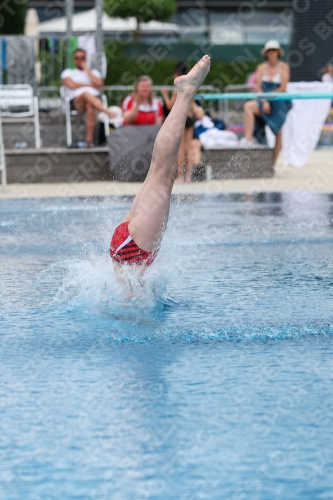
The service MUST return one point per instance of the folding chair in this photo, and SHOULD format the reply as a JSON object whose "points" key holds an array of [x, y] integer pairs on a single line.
{"points": [[18, 103]]}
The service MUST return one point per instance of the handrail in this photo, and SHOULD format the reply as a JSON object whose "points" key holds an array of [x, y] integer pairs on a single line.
{"points": [[268, 96], [124, 88], [155, 87], [238, 86]]}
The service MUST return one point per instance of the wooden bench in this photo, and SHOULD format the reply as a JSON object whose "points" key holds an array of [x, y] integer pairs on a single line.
{"points": [[238, 163], [18, 104]]}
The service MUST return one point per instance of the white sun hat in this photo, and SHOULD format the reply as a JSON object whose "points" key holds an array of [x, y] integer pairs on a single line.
{"points": [[272, 44]]}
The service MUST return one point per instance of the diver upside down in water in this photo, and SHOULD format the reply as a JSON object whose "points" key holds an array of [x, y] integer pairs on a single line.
{"points": [[138, 238]]}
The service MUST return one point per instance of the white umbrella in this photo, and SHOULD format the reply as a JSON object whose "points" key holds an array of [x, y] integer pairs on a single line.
{"points": [[31, 28], [86, 22]]}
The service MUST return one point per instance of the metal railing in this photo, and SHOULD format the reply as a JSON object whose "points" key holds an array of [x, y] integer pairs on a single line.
{"points": [[234, 107], [240, 97], [269, 96], [49, 96], [116, 93]]}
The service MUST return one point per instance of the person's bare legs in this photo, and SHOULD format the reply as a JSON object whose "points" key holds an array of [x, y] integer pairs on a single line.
{"points": [[195, 155], [188, 136], [90, 104], [278, 146], [132, 211], [81, 101], [152, 210], [90, 123], [183, 157], [251, 110]]}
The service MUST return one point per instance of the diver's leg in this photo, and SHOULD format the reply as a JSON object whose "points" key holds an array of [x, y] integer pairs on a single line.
{"points": [[181, 159], [132, 211], [151, 214]]}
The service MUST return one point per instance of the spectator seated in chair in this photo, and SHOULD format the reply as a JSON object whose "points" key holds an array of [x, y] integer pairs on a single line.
{"points": [[273, 76], [83, 87], [141, 107]]}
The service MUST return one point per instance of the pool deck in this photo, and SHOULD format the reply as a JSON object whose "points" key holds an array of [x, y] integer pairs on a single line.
{"points": [[315, 176]]}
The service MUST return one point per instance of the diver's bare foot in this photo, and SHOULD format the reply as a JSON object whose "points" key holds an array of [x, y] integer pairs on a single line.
{"points": [[191, 82]]}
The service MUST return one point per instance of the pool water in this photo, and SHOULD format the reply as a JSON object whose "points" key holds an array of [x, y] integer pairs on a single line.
{"points": [[213, 379]]}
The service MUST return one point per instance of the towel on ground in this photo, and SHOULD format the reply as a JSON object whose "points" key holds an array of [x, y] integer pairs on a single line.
{"points": [[302, 128], [212, 137]]}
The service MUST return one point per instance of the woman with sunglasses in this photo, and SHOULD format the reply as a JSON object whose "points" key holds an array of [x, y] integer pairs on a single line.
{"points": [[84, 88]]}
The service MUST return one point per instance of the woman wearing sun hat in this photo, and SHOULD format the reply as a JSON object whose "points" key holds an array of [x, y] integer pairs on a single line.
{"points": [[273, 76]]}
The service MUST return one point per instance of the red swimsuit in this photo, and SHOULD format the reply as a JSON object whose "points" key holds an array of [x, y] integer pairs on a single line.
{"points": [[123, 248]]}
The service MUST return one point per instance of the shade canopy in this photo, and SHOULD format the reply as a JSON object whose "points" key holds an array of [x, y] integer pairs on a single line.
{"points": [[86, 22]]}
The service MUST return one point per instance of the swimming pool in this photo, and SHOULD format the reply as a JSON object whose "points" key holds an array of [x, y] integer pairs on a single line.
{"points": [[214, 381]]}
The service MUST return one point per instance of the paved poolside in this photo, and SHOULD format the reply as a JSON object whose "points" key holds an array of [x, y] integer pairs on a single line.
{"points": [[317, 176]]}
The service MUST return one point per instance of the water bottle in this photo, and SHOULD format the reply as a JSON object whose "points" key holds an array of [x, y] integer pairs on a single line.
{"points": [[79, 144], [20, 145]]}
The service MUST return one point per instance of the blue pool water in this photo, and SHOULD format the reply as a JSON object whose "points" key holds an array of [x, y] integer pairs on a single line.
{"points": [[214, 381]]}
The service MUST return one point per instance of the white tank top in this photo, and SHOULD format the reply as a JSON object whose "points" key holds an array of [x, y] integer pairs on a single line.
{"points": [[276, 79]]}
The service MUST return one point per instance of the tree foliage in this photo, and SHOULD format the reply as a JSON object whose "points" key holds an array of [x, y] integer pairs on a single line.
{"points": [[143, 10], [124, 70], [12, 17]]}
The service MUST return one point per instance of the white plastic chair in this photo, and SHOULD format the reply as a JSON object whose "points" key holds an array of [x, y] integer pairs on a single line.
{"points": [[2, 159], [66, 109], [17, 104]]}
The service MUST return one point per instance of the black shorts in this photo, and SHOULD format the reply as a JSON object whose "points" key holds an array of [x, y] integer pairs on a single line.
{"points": [[189, 122], [72, 105]]}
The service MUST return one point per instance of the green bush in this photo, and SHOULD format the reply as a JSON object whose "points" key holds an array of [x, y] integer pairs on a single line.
{"points": [[12, 17], [142, 10], [123, 70]]}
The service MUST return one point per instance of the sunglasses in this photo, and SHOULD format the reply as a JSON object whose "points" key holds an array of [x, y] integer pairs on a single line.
{"points": [[79, 57]]}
